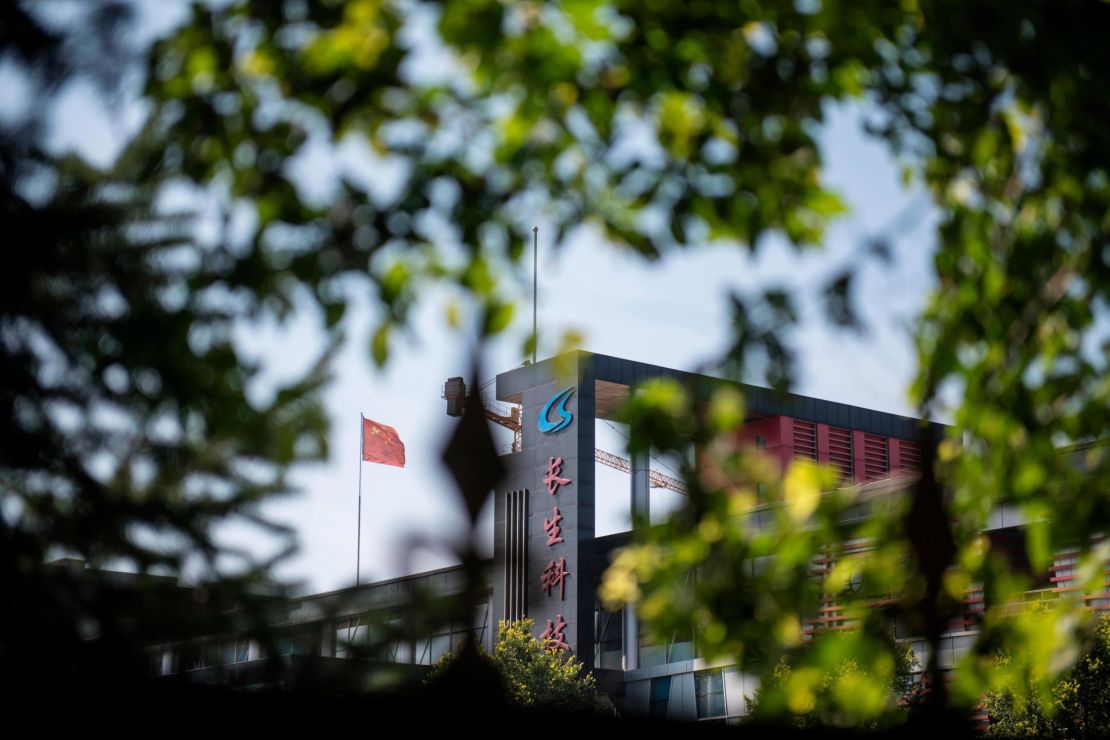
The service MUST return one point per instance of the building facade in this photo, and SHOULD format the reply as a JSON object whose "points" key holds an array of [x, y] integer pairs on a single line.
{"points": [[548, 561]]}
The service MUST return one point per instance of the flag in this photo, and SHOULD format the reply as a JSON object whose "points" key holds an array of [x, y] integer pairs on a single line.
{"points": [[381, 444]]}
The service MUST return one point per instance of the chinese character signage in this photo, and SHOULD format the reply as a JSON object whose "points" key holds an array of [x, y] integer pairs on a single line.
{"points": [[552, 528], [555, 465], [555, 634], [555, 574], [552, 479]]}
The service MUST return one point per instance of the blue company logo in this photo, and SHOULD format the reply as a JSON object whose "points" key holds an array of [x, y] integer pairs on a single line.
{"points": [[565, 416]]}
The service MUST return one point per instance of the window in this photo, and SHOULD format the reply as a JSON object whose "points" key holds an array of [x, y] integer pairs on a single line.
{"points": [[441, 645], [195, 658], [447, 639], [876, 457], [805, 440], [681, 647], [675, 647], [481, 619], [384, 636], [211, 655], [351, 635], [840, 452], [400, 652], [609, 636], [709, 692], [295, 643], [236, 651], [651, 652], [660, 696]]}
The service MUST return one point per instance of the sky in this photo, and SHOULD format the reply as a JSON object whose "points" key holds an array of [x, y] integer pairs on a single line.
{"points": [[672, 313]]}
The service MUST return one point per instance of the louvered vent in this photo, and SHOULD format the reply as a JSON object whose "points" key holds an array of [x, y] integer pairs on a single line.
{"points": [[805, 440], [840, 451], [910, 454], [516, 554], [876, 463]]}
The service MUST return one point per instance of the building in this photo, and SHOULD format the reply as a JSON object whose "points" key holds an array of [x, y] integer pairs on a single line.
{"points": [[552, 479], [547, 561]]}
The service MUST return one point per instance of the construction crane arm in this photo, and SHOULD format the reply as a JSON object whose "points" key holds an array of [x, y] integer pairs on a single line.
{"points": [[656, 479]]}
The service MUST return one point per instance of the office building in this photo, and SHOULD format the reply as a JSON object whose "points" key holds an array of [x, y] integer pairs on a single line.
{"points": [[548, 560]]}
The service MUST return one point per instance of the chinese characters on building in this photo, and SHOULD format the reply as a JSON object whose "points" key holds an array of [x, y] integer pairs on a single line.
{"points": [[556, 633], [555, 575], [553, 480], [551, 526], [555, 572]]}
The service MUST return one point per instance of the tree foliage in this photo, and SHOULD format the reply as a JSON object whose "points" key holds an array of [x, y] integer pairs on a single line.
{"points": [[1077, 704], [131, 434], [997, 109], [840, 696], [534, 675]]}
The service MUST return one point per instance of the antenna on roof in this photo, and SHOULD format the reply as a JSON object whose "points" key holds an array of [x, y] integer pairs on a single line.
{"points": [[535, 274]]}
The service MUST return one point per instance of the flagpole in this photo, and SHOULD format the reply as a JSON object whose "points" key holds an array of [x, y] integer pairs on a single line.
{"points": [[358, 545]]}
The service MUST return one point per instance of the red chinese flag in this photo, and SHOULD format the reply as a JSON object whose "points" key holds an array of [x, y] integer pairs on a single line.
{"points": [[381, 444]]}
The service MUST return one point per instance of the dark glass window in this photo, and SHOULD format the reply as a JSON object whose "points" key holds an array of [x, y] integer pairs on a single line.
{"points": [[441, 645], [609, 631], [235, 651], [660, 696], [211, 655], [401, 651], [681, 646], [424, 651], [296, 643], [709, 691]]}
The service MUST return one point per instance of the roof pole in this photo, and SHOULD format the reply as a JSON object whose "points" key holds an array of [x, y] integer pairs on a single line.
{"points": [[535, 283]]}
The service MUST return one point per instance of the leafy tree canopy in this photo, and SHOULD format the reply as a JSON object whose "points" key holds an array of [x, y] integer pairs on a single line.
{"points": [[534, 675], [841, 695], [130, 433], [997, 109], [1077, 704]]}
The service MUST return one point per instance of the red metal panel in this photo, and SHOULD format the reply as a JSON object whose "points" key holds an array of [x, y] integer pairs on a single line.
{"points": [[768, 428], [859, 457], [786, 441], [823, 443], [775, 443]]}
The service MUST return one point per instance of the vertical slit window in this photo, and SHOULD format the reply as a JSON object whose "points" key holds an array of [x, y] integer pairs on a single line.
{"points": [[660, 696], [805, 440], [840, 451], [876, 462]]}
